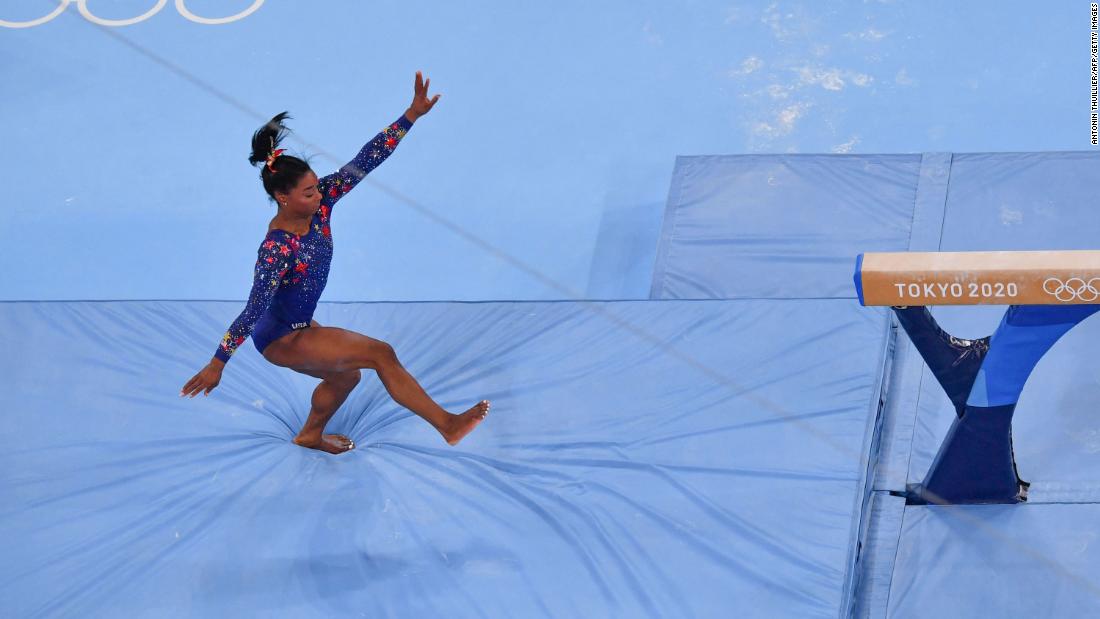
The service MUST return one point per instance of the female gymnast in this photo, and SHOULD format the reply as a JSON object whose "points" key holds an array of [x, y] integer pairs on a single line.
{"points": [[290, 274]]}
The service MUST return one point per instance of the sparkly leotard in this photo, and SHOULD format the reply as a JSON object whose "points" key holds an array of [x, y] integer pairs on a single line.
{"points": [[291, 270]]}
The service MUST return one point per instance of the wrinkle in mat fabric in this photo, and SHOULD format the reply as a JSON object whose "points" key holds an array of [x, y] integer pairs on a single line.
{"points": [[654, 458]]}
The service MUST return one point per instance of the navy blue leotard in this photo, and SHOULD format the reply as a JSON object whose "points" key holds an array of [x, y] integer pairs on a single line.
{"points": [[291, 270]]}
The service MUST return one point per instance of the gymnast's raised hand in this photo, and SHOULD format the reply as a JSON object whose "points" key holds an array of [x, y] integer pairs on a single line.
{"points": [[291, 269]]}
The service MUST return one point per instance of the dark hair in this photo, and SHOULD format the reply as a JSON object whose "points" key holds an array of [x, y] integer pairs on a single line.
{"points": [[288, 170]]}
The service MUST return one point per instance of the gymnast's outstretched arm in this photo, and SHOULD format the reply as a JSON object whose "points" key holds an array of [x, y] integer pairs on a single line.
{"points": [[339, 183]]}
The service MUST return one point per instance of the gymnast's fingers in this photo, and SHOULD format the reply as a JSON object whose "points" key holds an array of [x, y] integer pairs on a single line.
{"points": [[189, 386]]}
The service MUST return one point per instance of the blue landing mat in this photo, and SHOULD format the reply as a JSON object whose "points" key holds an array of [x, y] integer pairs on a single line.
{"points": [[997, 561], [653, 458]]}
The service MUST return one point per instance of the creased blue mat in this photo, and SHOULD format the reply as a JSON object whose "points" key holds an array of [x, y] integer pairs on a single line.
{"points": [[780, 226], [997, 561], [672, 459]]}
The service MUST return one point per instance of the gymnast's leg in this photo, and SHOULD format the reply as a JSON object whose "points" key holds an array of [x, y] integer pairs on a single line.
{"points": [[327, 398], [328, 350]]}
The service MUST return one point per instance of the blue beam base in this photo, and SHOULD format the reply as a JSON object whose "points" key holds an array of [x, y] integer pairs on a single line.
{"points": [[975, 463], [984, 379]]}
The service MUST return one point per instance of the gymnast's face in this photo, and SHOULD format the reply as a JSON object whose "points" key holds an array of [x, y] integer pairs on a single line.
{"points": [[303, 200]]}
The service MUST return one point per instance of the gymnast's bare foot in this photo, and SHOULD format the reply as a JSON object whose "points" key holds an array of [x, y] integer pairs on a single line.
{"points": [[458, 426], [332, 443]]}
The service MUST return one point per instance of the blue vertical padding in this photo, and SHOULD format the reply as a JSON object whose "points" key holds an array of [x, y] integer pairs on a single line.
{"points": [[780, 226], [668, 227], [901, 410], [1022, 201], [930, 207], [880, 547]]}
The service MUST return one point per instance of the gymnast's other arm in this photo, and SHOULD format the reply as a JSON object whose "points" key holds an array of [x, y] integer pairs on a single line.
{"points": [[271, 265]]}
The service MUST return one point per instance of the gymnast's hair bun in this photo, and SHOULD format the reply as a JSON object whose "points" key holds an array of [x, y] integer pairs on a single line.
{"points": [[281, 173]]}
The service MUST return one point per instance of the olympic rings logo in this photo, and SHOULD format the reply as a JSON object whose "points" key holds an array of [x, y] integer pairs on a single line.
{"points": [[1073, 289], [181, 6]]}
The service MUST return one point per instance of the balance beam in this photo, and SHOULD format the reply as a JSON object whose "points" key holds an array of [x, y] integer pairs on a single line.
{"points": [[979, 278]]}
